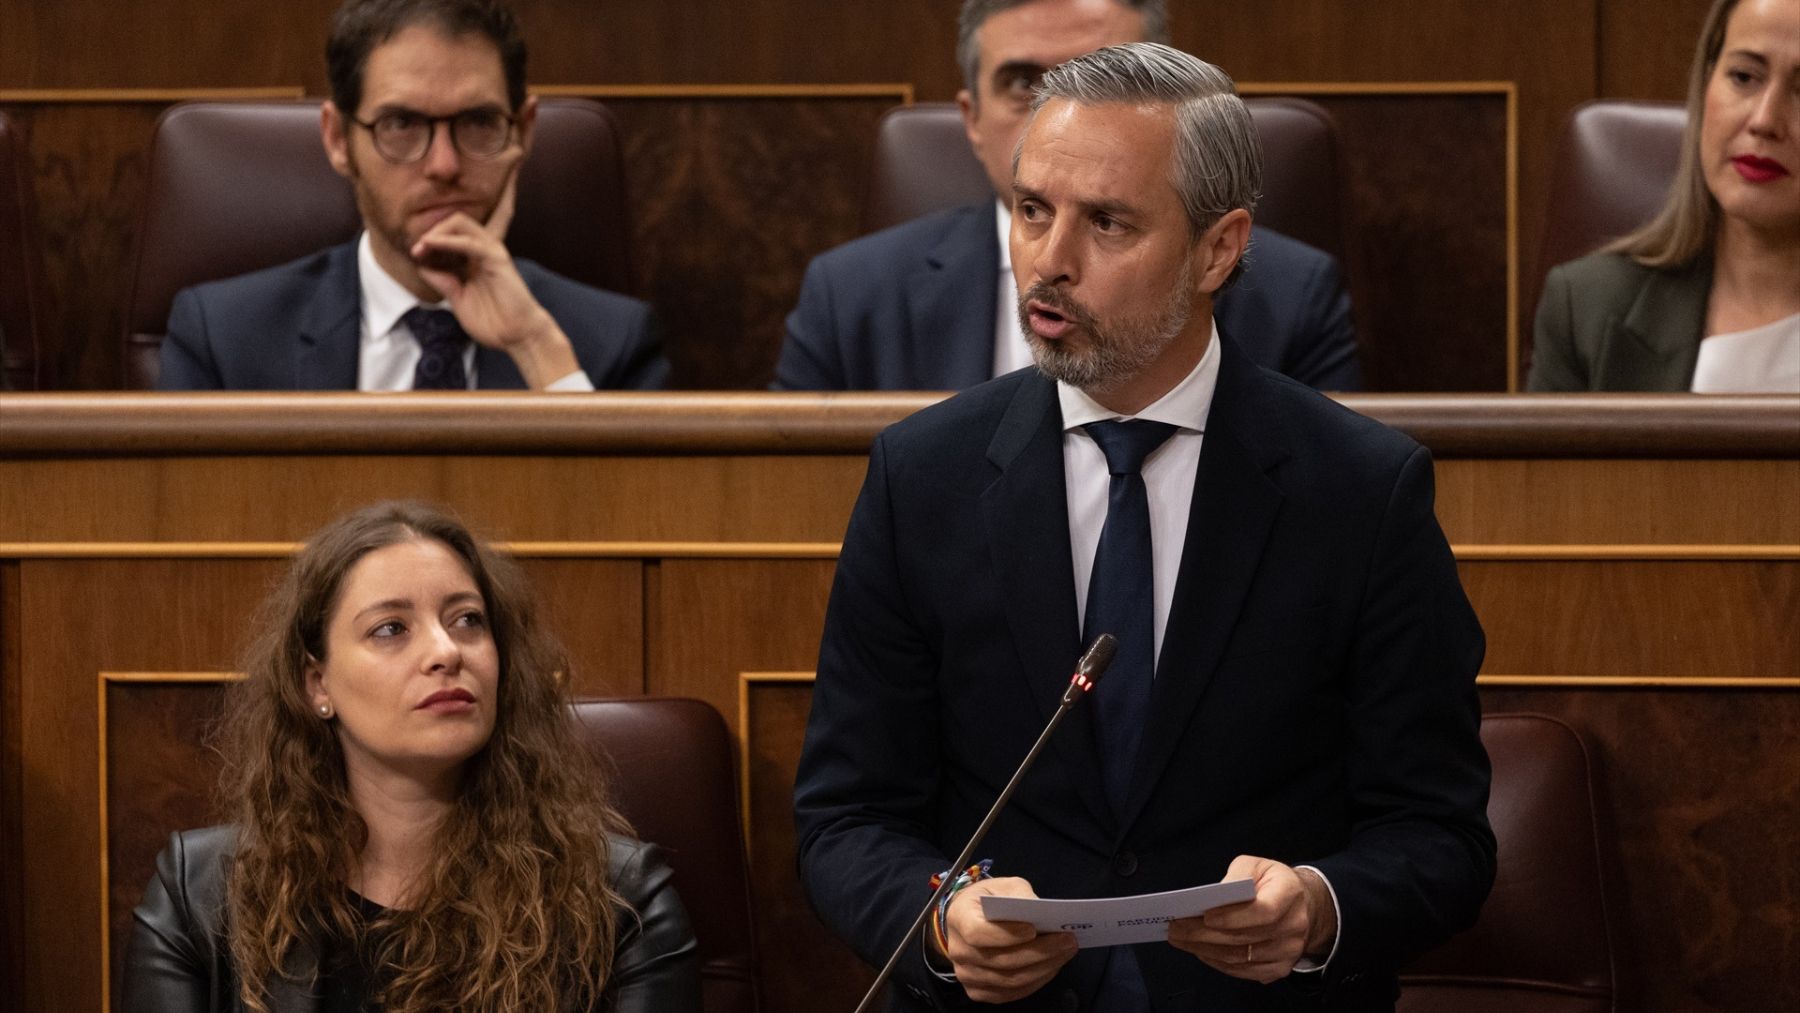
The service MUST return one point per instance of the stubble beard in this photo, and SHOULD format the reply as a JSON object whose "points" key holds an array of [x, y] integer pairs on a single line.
{"points": [[1117, 349]]}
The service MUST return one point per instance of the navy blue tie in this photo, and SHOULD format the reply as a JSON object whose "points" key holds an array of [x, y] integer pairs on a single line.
{"points": [[441, 344], [1120, 601]]}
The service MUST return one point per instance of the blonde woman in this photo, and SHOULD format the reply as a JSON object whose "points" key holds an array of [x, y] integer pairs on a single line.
{"points": [[415, 825], [1707, 296]]}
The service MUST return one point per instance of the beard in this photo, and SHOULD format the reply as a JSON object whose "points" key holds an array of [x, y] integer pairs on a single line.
{"points": [[388, 221], [1117, 349]]}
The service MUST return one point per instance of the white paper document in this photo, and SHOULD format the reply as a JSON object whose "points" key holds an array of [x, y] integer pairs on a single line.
{"points": [[1114, 921]]}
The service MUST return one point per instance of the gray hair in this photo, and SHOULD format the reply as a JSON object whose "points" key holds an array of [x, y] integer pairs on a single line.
{"points": [[1218, 159], [975, 13]]}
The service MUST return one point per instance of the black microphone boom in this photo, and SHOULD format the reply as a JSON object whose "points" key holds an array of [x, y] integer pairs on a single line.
{"points": [[1088, 671]]}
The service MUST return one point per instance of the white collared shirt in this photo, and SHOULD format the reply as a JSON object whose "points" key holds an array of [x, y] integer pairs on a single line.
{"points": [[387, 353], [1010, 349], [1168, 479], [1169, 476]]}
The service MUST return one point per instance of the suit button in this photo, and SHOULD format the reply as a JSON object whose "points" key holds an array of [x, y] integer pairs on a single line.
{"points": [[1068, 1001], [1125, 863]]}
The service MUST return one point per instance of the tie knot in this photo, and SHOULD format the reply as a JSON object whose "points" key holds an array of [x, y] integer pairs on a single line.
{"points": [[1127, 442], [435, 329]]}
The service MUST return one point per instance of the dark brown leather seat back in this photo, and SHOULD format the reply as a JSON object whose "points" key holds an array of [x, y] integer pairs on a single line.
{"points": [[239, 186], [1543, 943], [24, 361], [1612, 175], [672, 777], [923, 163]]}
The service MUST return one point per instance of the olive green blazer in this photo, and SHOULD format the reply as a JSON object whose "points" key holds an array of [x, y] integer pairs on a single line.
{"points": [[1606, 322]]}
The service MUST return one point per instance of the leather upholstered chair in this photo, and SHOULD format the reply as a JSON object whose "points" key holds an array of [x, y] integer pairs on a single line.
{"points": [[671, 761], [923, 163], [239, 186], [1612, 175], [24, 361], [1543, 942]]}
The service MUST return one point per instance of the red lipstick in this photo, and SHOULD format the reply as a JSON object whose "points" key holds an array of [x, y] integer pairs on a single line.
{"points": [[1757, 169]]}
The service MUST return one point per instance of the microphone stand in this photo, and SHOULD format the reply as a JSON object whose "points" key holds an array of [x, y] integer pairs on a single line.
{"points": [[1087, 671]]}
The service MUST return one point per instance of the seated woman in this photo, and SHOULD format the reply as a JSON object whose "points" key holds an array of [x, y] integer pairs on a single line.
{"points": [[415, 824], [1707, 296]]}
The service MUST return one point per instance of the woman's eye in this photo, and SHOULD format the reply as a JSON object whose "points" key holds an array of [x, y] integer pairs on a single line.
{"points": [[473, 620], [391, 628]]}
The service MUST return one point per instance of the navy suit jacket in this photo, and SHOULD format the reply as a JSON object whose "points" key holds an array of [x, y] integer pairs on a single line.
{"points": [[1314, 701], [299, 327], [912, 308]]}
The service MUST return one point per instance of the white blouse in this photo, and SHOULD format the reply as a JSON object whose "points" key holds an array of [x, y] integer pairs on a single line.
{"points": [[1761, 360]]}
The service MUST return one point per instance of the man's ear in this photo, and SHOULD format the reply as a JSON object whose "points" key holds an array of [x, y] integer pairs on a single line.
{"points": [[1219, 249], [527, 122], [334, 132], [965, 101]]}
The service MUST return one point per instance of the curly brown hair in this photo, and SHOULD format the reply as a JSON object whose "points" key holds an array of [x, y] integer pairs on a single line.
{"points": [[515, 910]]}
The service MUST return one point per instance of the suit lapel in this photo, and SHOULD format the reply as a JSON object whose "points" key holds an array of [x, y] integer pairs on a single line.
{"points": [[1656, 343], [951, 300], [331, 332], [1026, 513], [1234, 506]]}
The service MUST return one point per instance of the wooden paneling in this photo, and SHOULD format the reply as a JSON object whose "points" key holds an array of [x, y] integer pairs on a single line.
{"points": [[12, 871], [729, 200], [1626, 537], [831, 977], [88, 617], [1646, 47], [1639, 618], [1618, 502], [720, 618], [1699, 787], [1426, 247]]}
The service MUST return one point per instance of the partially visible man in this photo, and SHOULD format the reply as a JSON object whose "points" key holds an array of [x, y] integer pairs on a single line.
{"points": [[1293, 696], [429, 121], [927, 305]]}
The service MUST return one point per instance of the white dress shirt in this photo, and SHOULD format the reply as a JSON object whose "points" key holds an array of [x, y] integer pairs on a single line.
{"points": [[1169, 475], [1761, 360], [388, 354], [1010, 349]]}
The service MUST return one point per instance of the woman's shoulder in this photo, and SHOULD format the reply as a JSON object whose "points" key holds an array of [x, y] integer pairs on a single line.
{"points": [[1603, 270]]}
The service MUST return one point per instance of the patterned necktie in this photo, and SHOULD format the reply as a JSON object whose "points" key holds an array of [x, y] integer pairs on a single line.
{"points": [[1120, 599], [441, 344]]}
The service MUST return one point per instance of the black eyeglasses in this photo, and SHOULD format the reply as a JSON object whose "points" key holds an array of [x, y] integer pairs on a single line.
{"points": [[403, 136]]}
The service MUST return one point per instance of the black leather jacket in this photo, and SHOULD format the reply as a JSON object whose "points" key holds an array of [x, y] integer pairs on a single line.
{"points": [[180, 961]]}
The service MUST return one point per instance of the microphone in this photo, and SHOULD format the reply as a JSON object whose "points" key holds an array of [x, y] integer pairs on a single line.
{"points": [[1088, 670]]}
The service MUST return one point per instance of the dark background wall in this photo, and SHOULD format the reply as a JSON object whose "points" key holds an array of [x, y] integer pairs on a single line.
{"points": [[732, 194]]}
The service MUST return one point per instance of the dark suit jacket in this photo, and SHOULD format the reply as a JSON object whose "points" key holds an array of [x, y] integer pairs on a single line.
{"points": [[1606, 322], [299, 327], [1314, 701], [180, 957], [912, 308]]}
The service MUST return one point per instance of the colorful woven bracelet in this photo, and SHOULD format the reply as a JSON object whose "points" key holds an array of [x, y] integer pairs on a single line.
{"points": [[940, 921]]}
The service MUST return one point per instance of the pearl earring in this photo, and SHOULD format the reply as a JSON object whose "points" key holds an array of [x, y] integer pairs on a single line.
{"points": [[324, 710]]}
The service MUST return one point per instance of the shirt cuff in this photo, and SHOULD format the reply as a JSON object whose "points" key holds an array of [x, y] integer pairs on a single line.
{"points": [[1306, 965], [576, 381]]}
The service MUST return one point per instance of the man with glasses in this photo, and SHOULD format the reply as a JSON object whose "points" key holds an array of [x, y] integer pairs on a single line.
{"points": [[928, 304], [429, 121]]}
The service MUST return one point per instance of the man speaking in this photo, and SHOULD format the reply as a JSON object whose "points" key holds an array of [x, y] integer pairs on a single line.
{"points": [[1293, 698]]}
